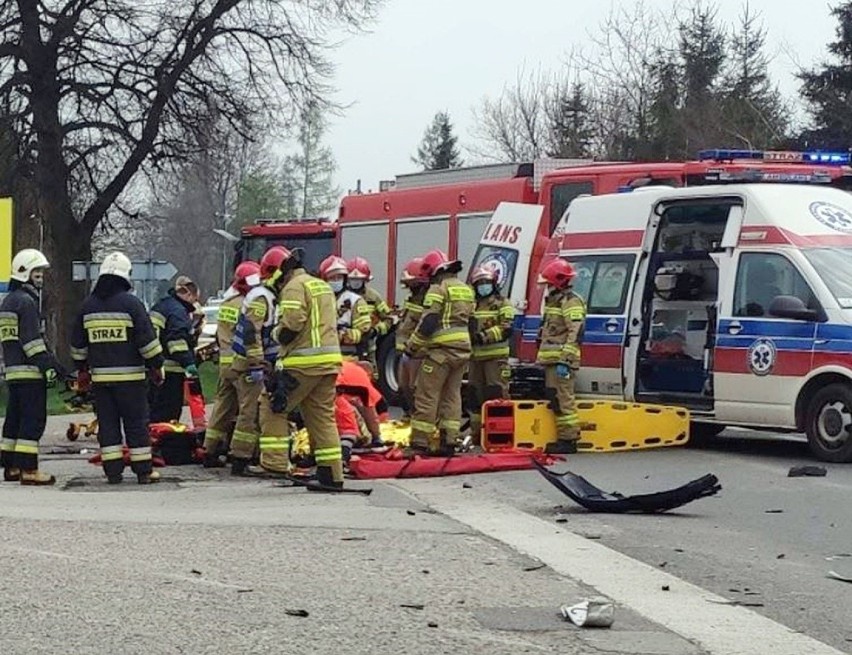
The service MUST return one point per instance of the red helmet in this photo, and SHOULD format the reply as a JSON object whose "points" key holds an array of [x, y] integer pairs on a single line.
{"points": [[246, 276], [332, 265], [558, 273], [483, 274], [359, 269], [412, 273], [436, 261], [272, 261]]}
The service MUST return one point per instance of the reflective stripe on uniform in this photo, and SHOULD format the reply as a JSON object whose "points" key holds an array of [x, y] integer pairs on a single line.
{"points": [[118, 374], [142, 454], [111, 453], [270, 444], [151, 349], [239, 436], [177, 346], [158, 320], [107, 319], [79, 354], [570, 420], [304, 357], [171, 366], [423, 426], [8, 445], [450, 424], [26, 446], [491, 350], [23, 372], [34, 347], [328, 455], [225, 360]]}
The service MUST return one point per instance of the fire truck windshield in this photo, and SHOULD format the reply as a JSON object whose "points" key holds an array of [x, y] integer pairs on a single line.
{"points": [[315, 248]]}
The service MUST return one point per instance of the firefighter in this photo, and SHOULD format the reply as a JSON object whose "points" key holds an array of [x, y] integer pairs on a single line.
{"points": [[30, 368], [238, 389], [115, 348], [173, 319], [309, 360], [381, 316], [488, 377], [442, 337], [254, 356], [559, 351], [354, 315], [417, 285]]}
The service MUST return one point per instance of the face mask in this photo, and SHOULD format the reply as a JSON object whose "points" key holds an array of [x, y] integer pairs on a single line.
{"points": [[336, 285], [356, 285], [484, 290]]}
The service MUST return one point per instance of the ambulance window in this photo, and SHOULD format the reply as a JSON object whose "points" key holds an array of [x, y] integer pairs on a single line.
{"points": [[602, 281], [561, 196], [763, 276]]}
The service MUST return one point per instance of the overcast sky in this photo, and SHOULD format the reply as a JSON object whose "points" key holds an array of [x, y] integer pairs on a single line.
{"points": [[428, 55]]}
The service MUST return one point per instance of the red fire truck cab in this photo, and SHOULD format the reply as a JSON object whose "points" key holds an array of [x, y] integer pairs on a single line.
{"points": [[315, 236]]}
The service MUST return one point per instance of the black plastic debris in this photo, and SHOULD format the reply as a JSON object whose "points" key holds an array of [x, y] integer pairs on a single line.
{"points": [[584, 493], [809, 471], [300, 613]]}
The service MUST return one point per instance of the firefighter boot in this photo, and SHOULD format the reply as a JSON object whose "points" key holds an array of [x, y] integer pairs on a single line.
{"points": [[561, 447], [148, 478], [37, 478], [212, 461], [242, 468], [11, 475], [325, 482]]}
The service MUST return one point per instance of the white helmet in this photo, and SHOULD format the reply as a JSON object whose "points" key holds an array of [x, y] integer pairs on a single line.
{"points": [[25, 262], [116, 263]]}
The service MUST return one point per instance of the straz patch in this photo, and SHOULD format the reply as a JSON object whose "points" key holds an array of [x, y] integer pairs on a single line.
{"points": [[9, 333], [761, 357], [116, 334]]}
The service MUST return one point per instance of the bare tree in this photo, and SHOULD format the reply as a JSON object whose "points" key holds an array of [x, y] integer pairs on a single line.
{"points": [[99, 90]]}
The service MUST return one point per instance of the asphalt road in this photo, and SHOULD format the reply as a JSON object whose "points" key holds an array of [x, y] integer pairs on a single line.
{"points": [[767, 541]]}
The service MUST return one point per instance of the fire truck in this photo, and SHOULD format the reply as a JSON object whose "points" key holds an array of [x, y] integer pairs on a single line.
{"points": [[452, 210], [315, 236]]}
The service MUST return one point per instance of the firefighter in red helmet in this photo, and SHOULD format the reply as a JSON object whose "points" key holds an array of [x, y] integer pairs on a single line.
{"points": [[237, 391], [306, 369], [381, 315], [488, 377], [559, 350], [442, 338], [353, 313], [412, 278]]}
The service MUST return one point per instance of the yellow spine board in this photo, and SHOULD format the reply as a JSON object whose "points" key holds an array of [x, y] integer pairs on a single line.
{"points": [[606, 426]]}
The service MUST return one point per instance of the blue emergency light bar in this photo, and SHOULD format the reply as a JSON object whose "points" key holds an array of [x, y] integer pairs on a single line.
{"points": [[779, 156]]}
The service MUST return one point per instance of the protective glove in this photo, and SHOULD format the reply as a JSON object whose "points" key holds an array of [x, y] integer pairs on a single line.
{"points": [[563, 371], [255, 376], [157, 376], [84, 380], [191, 371], [479, 338], [50, 376]]}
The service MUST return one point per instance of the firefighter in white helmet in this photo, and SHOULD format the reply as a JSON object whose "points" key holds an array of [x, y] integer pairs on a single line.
{"points": [[30, 368], [114, 346]]}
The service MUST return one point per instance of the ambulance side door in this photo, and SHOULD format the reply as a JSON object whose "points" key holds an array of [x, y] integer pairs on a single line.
{"points": [[604, 282], [760, 359]]}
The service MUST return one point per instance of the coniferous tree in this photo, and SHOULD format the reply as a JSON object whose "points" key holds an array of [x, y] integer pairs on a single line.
{"points": [[439, 148], [828, 89]]}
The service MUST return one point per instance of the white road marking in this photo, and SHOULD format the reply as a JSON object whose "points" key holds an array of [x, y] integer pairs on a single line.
{"points": [[686, 609]]}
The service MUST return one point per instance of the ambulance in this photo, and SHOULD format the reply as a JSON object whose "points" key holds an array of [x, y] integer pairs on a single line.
{"points": [[734, 301]]}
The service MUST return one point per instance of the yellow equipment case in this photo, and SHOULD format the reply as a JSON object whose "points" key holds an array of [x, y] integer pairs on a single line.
{"points": [[606, 425]]}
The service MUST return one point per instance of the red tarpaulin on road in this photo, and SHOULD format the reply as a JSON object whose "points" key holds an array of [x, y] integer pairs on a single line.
{"points": [[392, 465]]}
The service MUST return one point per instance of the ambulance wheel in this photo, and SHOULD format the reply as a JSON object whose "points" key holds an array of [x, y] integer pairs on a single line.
{"points": [[387, 361], [703, 434], [828, 423]]}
